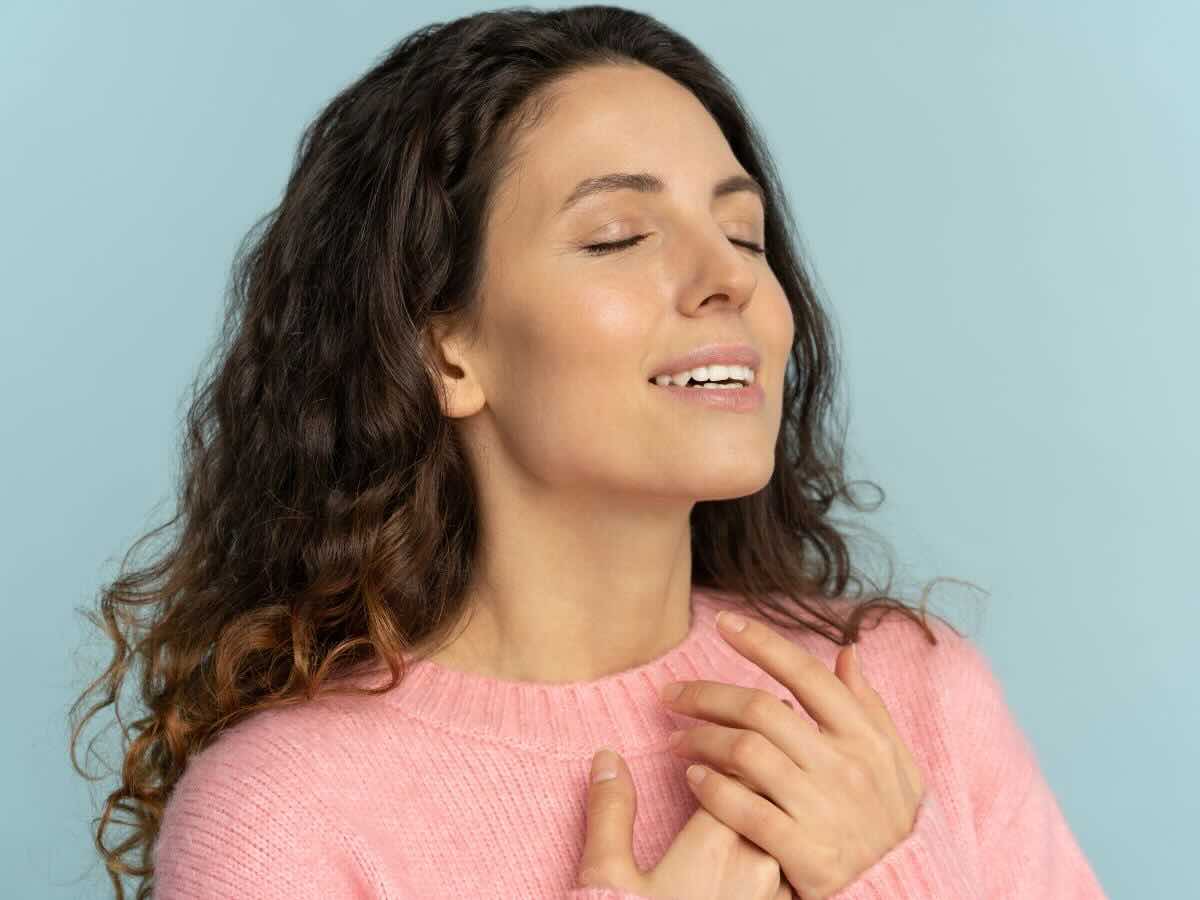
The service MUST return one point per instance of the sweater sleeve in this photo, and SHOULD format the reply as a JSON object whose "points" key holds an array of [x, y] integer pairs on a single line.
{"points": [[1025, 847], [240, 823]]}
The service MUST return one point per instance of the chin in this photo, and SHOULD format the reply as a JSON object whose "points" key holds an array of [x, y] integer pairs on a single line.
{"points": [[728, 485]]}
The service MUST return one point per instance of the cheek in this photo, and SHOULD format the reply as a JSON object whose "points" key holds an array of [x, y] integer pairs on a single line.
{"points": [[776, 329], [574, 427], [600, 329], [779, 329], [569, 391]]}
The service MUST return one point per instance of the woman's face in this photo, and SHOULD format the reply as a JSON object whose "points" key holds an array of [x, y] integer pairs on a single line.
{"points": [[560, 383]]}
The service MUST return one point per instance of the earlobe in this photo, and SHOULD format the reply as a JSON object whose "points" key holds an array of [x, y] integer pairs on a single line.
{"points": [[458, 390], [462, 394], [459, 394]]}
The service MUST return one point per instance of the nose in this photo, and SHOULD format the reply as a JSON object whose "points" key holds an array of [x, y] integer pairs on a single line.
{"points": [[727, 270]]}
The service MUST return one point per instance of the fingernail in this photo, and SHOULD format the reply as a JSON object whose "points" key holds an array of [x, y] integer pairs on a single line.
{"points": [[604, 765], [730, 622], [854, 653], [695, 774]]}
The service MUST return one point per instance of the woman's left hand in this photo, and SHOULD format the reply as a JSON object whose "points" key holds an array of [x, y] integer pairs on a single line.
{"points": [[827, 803]]}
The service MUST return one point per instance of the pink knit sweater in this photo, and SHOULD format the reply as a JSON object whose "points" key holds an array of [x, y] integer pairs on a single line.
{"points": [[454, 785]]}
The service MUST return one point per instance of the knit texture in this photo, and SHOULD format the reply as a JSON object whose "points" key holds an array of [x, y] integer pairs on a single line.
{"points": [[455, 785]]}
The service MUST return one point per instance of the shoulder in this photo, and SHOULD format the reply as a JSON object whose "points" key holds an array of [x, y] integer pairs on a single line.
{"points": [[270, 750], [939, 676], [951, 672], [253, 804], [289, 754], [257, 772], [950, 705]]}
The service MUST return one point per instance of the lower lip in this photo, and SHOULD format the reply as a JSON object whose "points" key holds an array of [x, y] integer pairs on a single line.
{"points": [[743, 399]]}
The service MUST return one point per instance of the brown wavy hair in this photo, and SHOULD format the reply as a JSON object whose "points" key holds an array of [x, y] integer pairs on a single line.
{"points": [[327, 515]]}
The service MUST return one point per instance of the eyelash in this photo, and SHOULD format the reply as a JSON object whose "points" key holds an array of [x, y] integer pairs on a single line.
{"points": [[601, 249]]}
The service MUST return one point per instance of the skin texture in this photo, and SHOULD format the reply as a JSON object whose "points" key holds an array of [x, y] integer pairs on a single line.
{"points": [[826, 801], [586, 472]]}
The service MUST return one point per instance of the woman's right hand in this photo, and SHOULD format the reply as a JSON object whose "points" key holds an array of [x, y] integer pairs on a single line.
{"points": [[707, 861]]}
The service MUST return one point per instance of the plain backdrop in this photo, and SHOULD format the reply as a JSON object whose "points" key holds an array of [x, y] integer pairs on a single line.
{"points": [[1000, 203]]}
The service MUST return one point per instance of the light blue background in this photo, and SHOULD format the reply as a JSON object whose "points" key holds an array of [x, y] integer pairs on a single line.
{"points": [[1001, 204]]}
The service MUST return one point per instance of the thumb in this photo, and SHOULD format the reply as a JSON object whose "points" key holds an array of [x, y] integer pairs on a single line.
{"points": [[611, 807]]}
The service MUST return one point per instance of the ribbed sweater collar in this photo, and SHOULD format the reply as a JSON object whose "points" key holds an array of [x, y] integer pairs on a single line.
{"points": [[621, 710]]}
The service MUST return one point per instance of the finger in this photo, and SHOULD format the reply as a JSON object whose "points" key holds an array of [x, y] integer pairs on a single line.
{"points": [[811, 682], [752, 816], [850, 668], [754, 761], [611, 809], [757, 710]]}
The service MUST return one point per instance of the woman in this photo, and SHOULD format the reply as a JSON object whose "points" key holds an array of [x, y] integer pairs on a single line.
{"points": [[455, 513]]}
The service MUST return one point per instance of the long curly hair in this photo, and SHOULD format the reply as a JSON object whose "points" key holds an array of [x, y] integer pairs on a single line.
{"points": [[327, 516]]}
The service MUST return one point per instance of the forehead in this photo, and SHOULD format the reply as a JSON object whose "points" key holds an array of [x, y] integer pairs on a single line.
{"points": [[608, 119]]}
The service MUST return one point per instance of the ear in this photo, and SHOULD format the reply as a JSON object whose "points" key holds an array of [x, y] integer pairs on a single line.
{"points": [[460, 390]]}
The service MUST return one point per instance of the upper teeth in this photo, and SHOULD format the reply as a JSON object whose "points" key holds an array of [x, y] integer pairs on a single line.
{"points": [[743, 374]]}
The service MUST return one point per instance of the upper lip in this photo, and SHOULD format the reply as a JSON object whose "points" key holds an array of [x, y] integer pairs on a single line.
{"points": [[711, 354]]}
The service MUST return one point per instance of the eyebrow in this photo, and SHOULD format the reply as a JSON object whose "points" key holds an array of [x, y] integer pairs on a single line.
{"points": [[652, 184]]}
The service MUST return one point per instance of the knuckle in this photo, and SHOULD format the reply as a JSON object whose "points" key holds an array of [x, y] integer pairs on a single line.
{"points": [[881, 755], [746, 748], [766, 872], [857, 773], [879, 746], [760, 708], [605, 803]]}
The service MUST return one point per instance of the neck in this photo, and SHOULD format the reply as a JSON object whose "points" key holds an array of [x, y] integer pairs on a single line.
{"points": [[621, 708]]}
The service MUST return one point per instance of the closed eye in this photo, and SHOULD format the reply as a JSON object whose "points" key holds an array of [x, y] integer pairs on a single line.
{"points": [[600, 249]]}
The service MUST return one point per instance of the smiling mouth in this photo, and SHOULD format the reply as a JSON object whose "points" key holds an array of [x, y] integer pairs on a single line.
{"points": [[728, 384], [735, 377]]}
